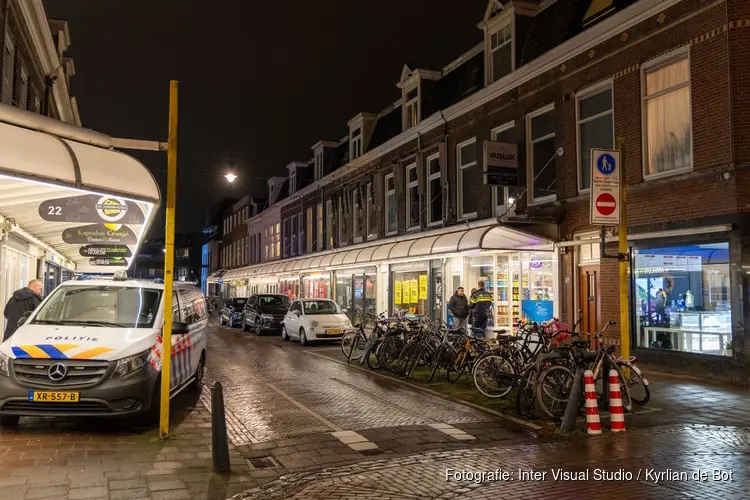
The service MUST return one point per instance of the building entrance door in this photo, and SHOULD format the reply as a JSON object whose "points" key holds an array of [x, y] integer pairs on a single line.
{"points": [[589, 300]]}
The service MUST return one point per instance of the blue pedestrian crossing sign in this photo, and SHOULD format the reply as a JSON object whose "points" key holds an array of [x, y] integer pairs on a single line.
{"points": [[606, 164], [605, 187]]}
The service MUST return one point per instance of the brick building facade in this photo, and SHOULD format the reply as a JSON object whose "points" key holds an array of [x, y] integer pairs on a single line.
{"points": [[557, 78]]}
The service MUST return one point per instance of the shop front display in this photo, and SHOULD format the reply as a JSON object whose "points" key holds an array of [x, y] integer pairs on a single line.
{"points": [[682, 298], [289, 287], [409, 288], [355, 291], [316, 286]]}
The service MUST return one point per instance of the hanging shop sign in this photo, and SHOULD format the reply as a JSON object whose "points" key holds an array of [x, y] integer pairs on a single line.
{"points": [[91, 208], [100, 233], [500, 164], [105, 251], [108, 261], [605, 187]]}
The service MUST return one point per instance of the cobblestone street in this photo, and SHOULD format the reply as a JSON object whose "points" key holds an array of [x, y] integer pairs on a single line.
{"points": [[303, 426]]}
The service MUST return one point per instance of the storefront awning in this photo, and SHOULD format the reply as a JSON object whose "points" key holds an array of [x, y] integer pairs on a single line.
{"points": [[90, 204], [423, 245], [215, 276]]}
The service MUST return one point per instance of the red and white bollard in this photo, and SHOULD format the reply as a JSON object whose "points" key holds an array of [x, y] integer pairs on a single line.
{"points": [[593, 424], [616, 413]]}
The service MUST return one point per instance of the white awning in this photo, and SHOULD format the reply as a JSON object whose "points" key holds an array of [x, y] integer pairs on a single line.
{"points": [[214, 278], [90, 204], [424, 245]]}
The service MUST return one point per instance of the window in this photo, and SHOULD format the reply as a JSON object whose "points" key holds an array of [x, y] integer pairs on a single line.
{"points": [[667, 115], [294, 235], [391, 206], [434, 191], [469, 177], [319, 165], [595, 127], [682, 298], [278, 239], [292, 180], [310, 234], [411, 107], [9, 54], [21, 88], [342, 214], [358, 220], [320, 226], [542, 171], [285, 238], [372, 213], [501, 50], [356, 144], [504, 196], [412, 197], [329, 223]]}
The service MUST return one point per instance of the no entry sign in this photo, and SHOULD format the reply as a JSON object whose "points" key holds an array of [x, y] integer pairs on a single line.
{"points": [[605, 187]]}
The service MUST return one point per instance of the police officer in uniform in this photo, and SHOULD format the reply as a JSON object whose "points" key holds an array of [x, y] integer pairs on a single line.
{"points": [[481, 308]]}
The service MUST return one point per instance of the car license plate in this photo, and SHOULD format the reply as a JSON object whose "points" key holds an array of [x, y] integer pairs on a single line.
{"points": [[333, 332], [53, 397]]}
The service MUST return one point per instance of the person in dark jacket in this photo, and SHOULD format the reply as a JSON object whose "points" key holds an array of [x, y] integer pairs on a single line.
{"points": [[459, 308], [481, 308], [23, 300]]}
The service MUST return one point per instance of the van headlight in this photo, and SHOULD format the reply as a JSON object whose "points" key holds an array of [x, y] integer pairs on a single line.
{"points": [[4, 365], [130, 364]]}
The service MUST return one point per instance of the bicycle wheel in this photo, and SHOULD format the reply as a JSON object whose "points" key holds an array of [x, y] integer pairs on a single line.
{"points": [[372, 357], [436, 362], [357, 347], [525, 397], [459, 365], [640, 394], [553, 391], [388, 353], [346, 341], [404, 357], [493, 376]]}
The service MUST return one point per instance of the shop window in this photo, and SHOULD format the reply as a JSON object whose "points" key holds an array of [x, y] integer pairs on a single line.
{"points": [[355, 290], [682, 298], [316, 286], [504, 196], [667, 114], [469, 177], [434, 191], [319, 241], [595, 127], [412, 197], [542, 171], [372, 213], [409, 288], [391, 224]]}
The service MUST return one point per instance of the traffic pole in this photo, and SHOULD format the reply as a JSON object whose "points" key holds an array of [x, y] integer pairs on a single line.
{"points": [[593, 424], [166, 368], [623, 255], [616, 411]]}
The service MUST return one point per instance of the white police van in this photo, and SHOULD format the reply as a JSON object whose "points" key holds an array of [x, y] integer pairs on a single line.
{"points": [[94, 348]]}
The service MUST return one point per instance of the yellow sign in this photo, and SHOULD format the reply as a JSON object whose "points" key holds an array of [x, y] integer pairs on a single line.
{"points": [[397, 292], [422, 287], [414, 295]]}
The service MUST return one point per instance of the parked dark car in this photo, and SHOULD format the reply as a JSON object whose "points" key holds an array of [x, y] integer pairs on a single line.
{"points": [[231, 313], [265, 312]]}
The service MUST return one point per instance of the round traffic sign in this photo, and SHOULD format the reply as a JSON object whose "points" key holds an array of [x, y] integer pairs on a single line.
{"points": [[605, 204], [605, 164]]}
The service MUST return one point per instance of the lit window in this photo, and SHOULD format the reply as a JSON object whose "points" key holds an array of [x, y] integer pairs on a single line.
{"points": [[542, 171], [412, 197], [391, 205], [320, 226], [411, 107], [668, 127], [469, 177]]}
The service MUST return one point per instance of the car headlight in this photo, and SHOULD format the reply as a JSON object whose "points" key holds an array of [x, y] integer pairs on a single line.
{"points": [[313, 324], [4, 365], [130, 364], [347, 323], [267, 317]]}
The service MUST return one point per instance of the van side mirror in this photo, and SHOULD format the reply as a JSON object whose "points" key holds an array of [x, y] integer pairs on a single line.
{"points": [[23, 318], [180, 328]]}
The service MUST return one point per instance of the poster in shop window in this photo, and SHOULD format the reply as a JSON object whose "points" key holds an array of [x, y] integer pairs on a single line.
{"points": [[397, 292], [414, 295], [422, 287]]}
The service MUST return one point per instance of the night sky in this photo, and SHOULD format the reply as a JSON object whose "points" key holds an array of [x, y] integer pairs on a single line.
{"points": [[260, 82]]}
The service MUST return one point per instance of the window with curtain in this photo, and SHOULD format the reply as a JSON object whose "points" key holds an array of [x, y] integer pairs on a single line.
{"points": [[595, 129], [669, 130]]}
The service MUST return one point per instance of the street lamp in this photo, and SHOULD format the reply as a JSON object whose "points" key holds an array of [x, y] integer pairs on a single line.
{"points": [[230, 177]]}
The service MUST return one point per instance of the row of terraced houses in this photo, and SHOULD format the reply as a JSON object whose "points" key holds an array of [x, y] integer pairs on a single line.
{"points": [[397, 214]]}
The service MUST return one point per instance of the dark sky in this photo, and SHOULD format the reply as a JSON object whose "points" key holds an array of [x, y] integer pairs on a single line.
{"points": [[260, 82]]}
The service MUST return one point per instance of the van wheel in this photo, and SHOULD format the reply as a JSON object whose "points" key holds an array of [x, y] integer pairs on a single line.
{"points": [[9, 420], [197, 384]]}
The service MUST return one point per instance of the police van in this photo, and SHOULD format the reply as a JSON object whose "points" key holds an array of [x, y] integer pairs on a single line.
{"points": [[94, 348]]}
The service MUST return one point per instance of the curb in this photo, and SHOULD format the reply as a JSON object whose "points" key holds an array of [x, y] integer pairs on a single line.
{"points": [[532, 430]]}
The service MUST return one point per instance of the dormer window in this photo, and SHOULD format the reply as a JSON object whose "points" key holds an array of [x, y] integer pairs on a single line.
{"points": [[499, 26], [319, 165], [355, 141], [411, 107], [292, 181], [501, 51]]}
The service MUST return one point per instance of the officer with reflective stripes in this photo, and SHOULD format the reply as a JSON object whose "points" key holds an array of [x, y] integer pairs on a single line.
{"points": [[481, 308]]}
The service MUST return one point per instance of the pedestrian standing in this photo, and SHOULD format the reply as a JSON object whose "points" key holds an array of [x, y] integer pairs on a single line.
{"points": [[481, 308], [459, 308], [23, 300]]}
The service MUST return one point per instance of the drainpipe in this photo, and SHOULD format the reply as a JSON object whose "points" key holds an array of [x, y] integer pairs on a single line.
{"points": [[3, 31]]}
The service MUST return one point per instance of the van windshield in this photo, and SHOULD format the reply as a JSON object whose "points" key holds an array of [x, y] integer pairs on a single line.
{"points": [[104, 306]]}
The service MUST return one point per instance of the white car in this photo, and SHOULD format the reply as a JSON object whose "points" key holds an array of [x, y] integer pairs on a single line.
{"points": [[315, 319]]}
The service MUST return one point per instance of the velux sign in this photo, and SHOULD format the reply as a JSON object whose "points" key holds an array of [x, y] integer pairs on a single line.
{"points": [[500, 164]]}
